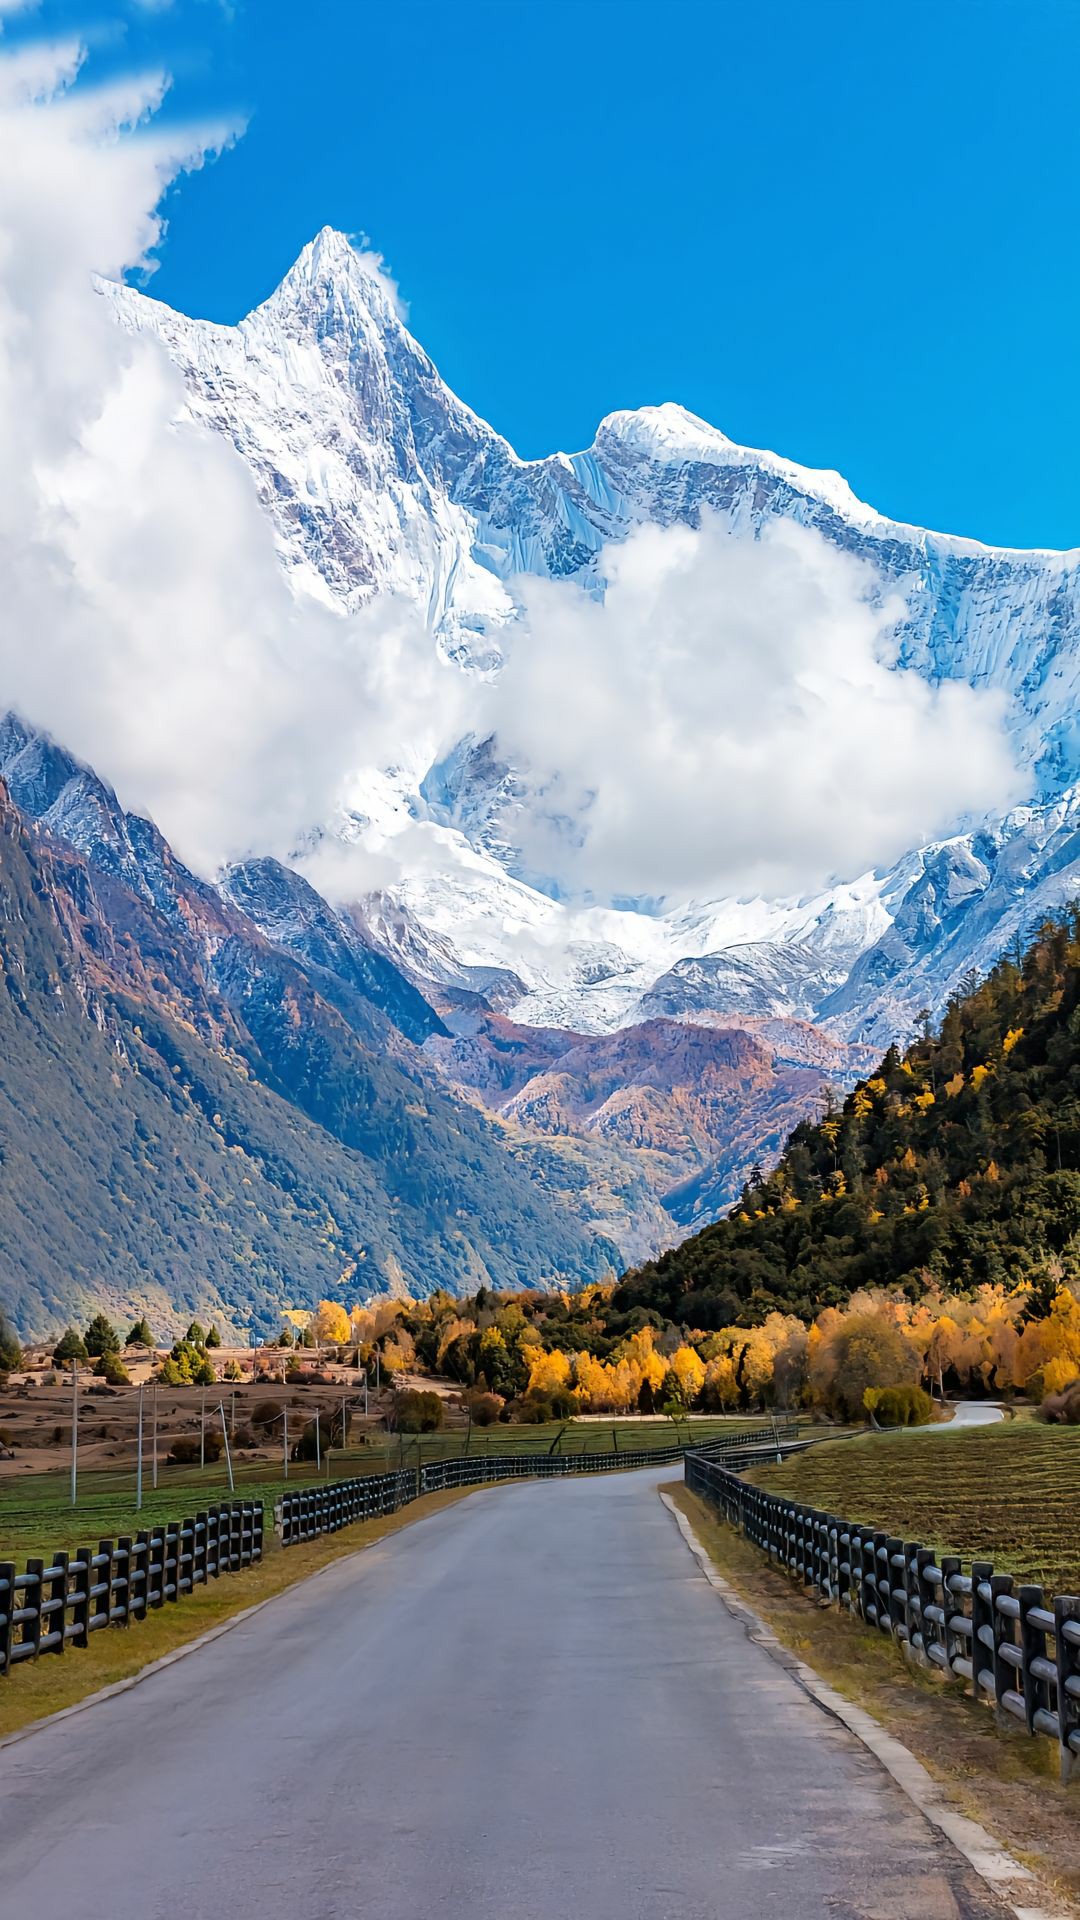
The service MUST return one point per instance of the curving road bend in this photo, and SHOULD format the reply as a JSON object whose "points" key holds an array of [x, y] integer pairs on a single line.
{"points": [[527, 1706]]}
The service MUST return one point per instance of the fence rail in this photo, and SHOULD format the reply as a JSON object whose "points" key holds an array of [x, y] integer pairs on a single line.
{"points": [[52, 1605], [979, 1627], [303, 1516]]}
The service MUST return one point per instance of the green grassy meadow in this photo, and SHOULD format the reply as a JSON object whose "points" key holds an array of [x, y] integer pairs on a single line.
{"points": [[36, 1515]]}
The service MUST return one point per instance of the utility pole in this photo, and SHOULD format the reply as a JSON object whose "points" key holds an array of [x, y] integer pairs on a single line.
{"points": [[285, 1417], [228, 1455], [344, 1422], [153, 1470], [138, 1467], [318, 1444], [202, 1432], [74, 1434]]}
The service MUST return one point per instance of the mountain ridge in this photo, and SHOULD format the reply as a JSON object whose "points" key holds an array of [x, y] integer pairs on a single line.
{"points": [[189, 1123], [377, 478]]}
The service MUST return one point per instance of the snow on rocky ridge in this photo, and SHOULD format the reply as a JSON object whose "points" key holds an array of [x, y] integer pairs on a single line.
{"points": [[378, 479]]}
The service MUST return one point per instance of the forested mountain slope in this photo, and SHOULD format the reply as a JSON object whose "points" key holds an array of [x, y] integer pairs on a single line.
{"points": [[189, 1123], [956, 1163]]}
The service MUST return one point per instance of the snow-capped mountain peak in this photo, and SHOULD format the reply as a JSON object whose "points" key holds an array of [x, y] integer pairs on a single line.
{"points": [[331, 263], [672, 434], [377, 478]]}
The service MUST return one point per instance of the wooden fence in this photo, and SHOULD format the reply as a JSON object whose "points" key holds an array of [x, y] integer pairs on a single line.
{"points": [[302, 1516], [978, 1627], [52, 1605]]}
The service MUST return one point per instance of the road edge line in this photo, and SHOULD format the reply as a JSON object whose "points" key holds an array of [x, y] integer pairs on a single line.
{"points": [[1005, 1876]]}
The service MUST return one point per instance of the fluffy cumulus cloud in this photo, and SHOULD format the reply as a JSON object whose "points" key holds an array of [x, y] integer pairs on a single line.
{"points": [[147, 623], [729, 719]]}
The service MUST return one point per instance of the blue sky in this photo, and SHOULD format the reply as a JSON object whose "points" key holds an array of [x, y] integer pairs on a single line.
{"points": [[848, 232]]}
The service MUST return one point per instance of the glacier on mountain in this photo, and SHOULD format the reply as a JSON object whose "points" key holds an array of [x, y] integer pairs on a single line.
{"points": [[377, 479]]}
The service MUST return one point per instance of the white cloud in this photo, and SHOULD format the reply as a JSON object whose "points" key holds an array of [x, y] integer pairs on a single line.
{"points": [[728, 720], [147, 622]]}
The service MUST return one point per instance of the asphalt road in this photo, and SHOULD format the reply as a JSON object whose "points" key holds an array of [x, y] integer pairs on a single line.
{"points": [[974, 1413], [528, 1706]]}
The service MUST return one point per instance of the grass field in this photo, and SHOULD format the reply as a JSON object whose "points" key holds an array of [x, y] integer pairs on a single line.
{"points": [[36, 1515], [1010, 1494]]}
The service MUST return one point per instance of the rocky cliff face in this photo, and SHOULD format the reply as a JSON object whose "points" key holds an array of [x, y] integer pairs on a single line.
{"points": [[694, 1104]]}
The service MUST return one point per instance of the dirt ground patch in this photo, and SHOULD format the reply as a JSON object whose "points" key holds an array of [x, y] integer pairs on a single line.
{"points": [[1003, 1779]]}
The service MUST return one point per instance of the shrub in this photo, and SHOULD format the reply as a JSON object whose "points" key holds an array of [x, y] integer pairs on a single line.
{"points": [[532, 1411], [111, 1369], [906, 1406], [1063, 1408], [184, 1451], [484, 1408], [265, 1413], [416, 1412], [304, 1448]]}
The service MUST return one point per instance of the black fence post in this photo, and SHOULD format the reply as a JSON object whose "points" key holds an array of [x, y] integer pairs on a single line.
{"points": [[924, 1571], [1067, 1652], [106, 1573], [953, 1641], [1004, 1635], [58, 1598], [140, 1580], [155, 1572], [912, 1597], [123, 1578], [1033, 1647], [7, 1609], [213, 1542], [35, 1571], [982, 1631], [170, 1565], [843, 1563], [80, 1600], [898, 1620]]}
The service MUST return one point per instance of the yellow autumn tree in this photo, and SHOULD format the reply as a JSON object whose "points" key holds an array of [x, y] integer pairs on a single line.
{"points": [[689, 1371], [1059, 1374], [720, 1392], [396, 1355], [548, 1372], [331, 1325], [591, 1380]]}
